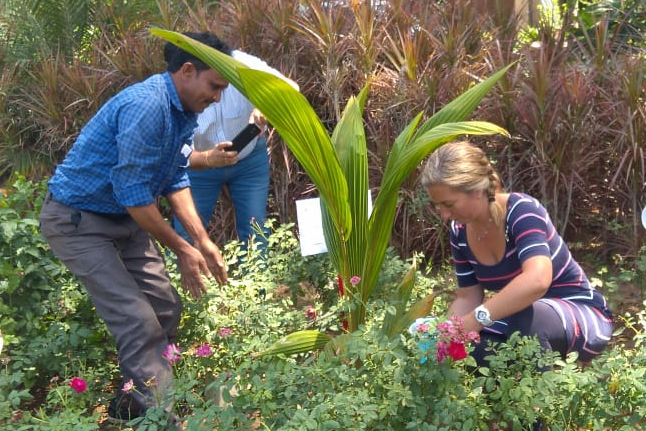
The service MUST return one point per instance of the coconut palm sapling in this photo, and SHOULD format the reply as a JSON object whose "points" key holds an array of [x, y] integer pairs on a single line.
{"points": [[338, 167]]}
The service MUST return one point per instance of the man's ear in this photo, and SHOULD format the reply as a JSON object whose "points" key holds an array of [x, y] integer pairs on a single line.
{"points": [[188, 70]]}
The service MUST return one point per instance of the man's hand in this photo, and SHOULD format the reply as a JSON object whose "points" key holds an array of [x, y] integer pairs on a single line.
{"points": [[191, 265], [193, 261], [214, 263], [220, 155], [257, 117], [203, 256]]}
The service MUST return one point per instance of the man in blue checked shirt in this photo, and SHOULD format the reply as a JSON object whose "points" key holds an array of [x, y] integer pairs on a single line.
{"points": [[101, 219]]}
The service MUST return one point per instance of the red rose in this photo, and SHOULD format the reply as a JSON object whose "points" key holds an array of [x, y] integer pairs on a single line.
{"points": [[457, 351], [310, 312]]}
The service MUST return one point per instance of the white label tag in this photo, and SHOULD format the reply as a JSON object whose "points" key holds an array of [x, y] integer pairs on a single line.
{"points": [[187, 150]]}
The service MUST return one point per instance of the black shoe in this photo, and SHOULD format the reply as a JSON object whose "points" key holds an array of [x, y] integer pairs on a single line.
{"points": [[123, 408]]}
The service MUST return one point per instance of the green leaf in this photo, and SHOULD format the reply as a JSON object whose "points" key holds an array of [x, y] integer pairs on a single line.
{"points": [[338, 346], [226, 65], [420, 309], [402, 295], [292, 116], [399, 166], [347, 252], [298, 342], [462, 106]]}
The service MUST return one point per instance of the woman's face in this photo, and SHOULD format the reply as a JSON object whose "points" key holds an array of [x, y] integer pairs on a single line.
{"points": [[454, 204]]}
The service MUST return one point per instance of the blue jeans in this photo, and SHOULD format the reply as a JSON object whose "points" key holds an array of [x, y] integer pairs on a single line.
{"points": [[248, 183]]}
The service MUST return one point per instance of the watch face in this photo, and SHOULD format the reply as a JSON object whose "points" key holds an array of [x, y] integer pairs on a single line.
{"points": [[482, 316]]}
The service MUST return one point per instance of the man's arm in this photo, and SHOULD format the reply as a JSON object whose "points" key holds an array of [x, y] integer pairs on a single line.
{"points": [[181, 202], [191, 259]]}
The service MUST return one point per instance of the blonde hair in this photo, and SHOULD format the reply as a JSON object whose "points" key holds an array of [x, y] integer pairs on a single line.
{"points": [[464, 167]]}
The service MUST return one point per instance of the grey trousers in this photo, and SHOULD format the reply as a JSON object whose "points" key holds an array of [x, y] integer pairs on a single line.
{"points": [[125, 276]]}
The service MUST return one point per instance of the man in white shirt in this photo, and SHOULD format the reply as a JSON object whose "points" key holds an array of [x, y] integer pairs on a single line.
{"points": [[245, 173]]}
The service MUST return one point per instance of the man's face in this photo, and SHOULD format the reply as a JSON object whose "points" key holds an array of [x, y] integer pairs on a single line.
{"points": [[200, 88]]}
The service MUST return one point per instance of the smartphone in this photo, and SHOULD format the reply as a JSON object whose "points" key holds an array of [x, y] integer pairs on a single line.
{"points": [[244, 137]]}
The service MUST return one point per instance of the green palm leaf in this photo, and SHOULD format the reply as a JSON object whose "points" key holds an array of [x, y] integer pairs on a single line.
{"points": [[420, 309], [350, 145], [298, 342], [301, 129], [291, 114], [399, 167], [400, 301]]}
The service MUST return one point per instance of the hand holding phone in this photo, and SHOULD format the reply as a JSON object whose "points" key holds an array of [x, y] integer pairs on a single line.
{"points": [[244, 137]]}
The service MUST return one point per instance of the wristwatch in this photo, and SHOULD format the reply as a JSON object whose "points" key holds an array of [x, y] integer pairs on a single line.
{"points": [[482, 315]]}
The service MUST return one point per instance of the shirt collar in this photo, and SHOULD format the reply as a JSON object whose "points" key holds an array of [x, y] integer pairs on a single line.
{"points": [[172, 92]]}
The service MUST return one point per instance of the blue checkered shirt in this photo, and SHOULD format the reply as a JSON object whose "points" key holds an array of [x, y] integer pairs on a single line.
{"points": [[133, 150]]}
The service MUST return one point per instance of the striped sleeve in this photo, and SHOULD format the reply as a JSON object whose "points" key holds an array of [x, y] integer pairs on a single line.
{"points": [[530, 228]]}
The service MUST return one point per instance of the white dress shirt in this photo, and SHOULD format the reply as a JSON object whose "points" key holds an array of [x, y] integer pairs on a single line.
{"points": [[222, 121]]}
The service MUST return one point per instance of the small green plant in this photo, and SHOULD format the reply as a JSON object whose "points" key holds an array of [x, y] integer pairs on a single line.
{"points": [[44, 313], [12, 391]]}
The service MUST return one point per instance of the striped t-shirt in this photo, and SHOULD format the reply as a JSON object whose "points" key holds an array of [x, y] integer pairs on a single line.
{"points": [[529, 232]]}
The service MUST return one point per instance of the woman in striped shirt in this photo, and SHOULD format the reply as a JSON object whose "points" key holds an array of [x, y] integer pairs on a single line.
{"points": [[505, 243]]}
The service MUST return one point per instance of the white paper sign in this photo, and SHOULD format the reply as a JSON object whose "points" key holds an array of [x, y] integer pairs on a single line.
{"points": [[644, 217], [310, 225]]}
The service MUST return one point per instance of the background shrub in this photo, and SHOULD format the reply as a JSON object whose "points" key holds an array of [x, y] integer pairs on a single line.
{"points": [[573, 103]]}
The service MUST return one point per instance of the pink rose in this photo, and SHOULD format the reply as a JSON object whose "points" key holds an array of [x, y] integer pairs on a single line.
{"points": [[310, 312], [204, 351], [224, 332], [78, 385], [128, 386], [172, 353]]}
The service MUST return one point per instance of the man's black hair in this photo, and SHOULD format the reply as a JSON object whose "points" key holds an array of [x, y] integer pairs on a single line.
{"points": [[176, 57]]}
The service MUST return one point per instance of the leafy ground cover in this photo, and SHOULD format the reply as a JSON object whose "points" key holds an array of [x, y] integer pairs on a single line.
{"points": [[59, 370]]}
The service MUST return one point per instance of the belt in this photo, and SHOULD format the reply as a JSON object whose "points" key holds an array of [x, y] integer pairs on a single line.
{"points": [[117, 217]]}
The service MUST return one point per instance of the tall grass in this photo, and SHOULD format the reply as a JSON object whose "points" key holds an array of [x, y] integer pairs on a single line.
{"points": [[573, 102]]}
